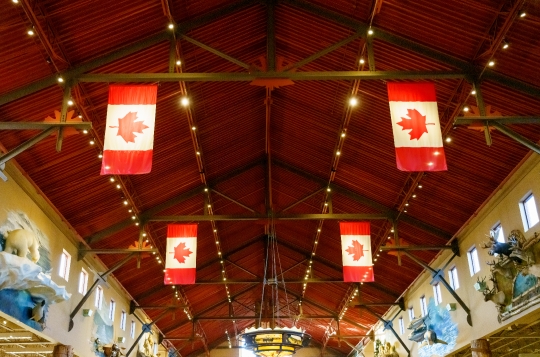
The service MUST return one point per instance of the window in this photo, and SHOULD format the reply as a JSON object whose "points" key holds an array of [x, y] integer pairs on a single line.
{"points": [[497, 233], [132, 329], [123, 320], [401, 326], [453, 278], [529, 214], [474, 263], [65, 262], [437, 293], [423, 305], [112, 307], [83, 282], [99, 297], [411, 313]]}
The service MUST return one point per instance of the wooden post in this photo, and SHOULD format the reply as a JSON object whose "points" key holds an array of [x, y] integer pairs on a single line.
{"points": [[480, 348]]}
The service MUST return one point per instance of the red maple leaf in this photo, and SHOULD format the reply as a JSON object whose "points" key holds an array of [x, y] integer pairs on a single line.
{"points": [[357, 250], [127, 126], [416, 123], [181, 253]]}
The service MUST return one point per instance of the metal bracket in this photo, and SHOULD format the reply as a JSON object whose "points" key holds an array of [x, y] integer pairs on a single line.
{"points": [[2, 175], [438, 276], [83, 251], [400, 303], [453, 247], [26, 145], [145, 328]]}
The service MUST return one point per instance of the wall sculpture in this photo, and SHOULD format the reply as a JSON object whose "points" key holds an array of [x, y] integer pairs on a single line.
{"points": [[26, 287], [513, 285], [435, 333]]}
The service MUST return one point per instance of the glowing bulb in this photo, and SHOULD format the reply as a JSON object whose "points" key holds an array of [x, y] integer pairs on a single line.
{"points": [[342, 135], [473, 92], [465, 109], [362, 61], [30, 32], [522, 14], [505, 45], [60, 79], [171, 26], [178, 63], [100, 155], [92, 142], [193, 128], [338, 153], [111, 179], [85, 131], [353, 101], [126, 202], [118, 186], [370, 32], [70, 102], [491, 63], [184, 101]]}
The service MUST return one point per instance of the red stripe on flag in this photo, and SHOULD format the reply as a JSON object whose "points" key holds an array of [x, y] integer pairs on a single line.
{"points": [[120, 94], [354, 228], [126, 162], [358, 274], [411, 92], [421, 159], [179, 276], [181, 230]]}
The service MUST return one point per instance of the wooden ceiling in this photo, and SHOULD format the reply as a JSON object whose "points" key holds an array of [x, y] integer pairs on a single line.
{"points": [[255, 154]]}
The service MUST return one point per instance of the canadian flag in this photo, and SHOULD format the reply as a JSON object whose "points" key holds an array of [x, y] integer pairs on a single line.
{"points": [[415, 123], [356, 251], [129, 132], [181, 258]]}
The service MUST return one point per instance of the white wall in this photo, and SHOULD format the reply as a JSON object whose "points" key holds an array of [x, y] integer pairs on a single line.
{"points": [[502, 207], [17, 194]]}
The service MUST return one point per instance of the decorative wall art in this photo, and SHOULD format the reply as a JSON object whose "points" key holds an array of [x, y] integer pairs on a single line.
{"points": [[436, 333], [384, 349], [26, 288], [146, 346], [103, 331], [513, 285]]}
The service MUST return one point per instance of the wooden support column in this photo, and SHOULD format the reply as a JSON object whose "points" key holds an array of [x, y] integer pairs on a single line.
{"points": [[480, 348]]}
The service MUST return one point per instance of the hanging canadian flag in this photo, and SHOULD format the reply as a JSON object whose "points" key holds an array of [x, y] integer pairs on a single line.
{"points": [[181, 258], [356, 251], [129, 132], [415, 123]]}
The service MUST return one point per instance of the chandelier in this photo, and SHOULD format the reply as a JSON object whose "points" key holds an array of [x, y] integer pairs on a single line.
{"points": [[267, 339]]}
